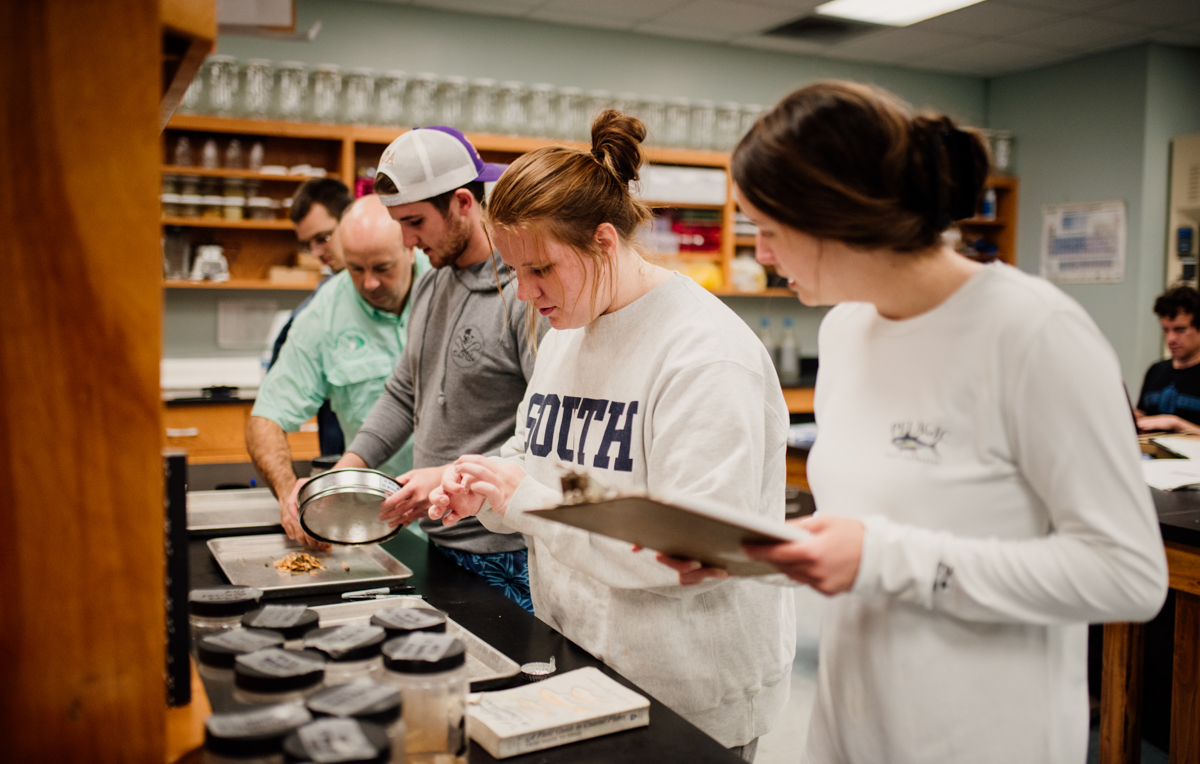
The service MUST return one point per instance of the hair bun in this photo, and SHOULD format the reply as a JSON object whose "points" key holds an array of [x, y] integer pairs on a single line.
{"points": [[617, 143]]}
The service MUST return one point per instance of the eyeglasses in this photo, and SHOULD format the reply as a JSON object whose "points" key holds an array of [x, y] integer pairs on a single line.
{"points": [[319, 240]]}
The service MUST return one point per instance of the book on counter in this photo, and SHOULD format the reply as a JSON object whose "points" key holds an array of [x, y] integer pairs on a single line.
{"points": [[574, 706]]}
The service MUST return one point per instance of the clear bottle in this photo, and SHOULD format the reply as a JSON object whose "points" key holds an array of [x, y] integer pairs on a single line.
{"points": [[270, 676], [789, 356], [402, 621], [215, 656], [430, 670], [352, 651], [219, 608], [182, 155], [988, 209], [252, 736], [256, 157], [292, 621], [334, 739], [768, 340], [365, 701], [233, 155], [210, 155]]}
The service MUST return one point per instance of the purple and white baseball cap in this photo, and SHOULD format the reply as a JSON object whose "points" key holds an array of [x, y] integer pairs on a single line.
{"points": [[427, 161]]}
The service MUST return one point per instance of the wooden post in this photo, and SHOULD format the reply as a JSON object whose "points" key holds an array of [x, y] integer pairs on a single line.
{"points": [[1121, 694], [1185, 681], [81, 498]]}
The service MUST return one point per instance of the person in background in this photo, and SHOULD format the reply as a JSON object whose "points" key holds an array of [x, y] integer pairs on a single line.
{"points": [[316, 209], [1170, 398], [977, 477], [464, 370], [342, 347], [651, 384]]}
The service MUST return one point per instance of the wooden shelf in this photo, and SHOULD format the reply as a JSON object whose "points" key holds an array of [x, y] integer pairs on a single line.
{"points": [[768, 292], [242, 284], [684, 205], [745, 241], [261, 225], [220, 172], [265, 127]]}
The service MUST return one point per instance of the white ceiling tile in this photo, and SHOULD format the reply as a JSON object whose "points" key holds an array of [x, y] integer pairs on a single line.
{"points": [[586, 12], [800, 7], [902, 44], [485, 7], [988, 19], [578, 19], [989, 57], [1076, 33], [1171, 37], [685, 33], [734, 18], [1063, 6], [783, 44], [1157, 13], [867, 55]]}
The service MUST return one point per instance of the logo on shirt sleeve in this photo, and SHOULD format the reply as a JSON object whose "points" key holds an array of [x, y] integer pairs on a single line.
{"points": [[917, 441]]}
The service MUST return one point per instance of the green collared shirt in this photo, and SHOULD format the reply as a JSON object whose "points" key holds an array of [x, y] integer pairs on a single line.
{"points": [[339, 348]]}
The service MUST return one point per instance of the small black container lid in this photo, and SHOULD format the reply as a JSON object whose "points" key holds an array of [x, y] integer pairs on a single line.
{"points": [[292, 621], [423, 653], [364, 700], [402, 621], [223, 601], [257, 732], [275, 670], [219, 650], [348, 642], [340, 741]]}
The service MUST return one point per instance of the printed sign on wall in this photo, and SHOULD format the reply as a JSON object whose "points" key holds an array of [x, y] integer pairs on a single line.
{"points": [[1084, 242]]}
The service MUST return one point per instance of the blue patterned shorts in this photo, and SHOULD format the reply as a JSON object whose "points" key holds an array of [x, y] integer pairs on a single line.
{"points": [[507, 571]]}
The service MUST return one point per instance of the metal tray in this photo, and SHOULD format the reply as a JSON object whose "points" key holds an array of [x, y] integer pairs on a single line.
{"points": [[249, 560], [488, 667], [243, 509]]}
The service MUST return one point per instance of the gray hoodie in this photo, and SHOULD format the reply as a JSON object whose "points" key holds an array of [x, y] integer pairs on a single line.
{"points": [[457, 385]]}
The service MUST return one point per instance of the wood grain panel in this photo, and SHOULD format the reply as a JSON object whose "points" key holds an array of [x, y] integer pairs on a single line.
{"points": [[1185, 682], [799, 400], [216, 433], [82, 625], [1183, 565], [1121, 694]]}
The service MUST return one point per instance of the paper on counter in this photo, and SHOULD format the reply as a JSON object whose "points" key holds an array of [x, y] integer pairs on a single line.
{"points": [[1186, 447], [1171, 474]]}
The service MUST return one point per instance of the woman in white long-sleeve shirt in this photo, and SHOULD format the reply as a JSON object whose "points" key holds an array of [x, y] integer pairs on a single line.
{"points": [[976, 471], [651, 384]]}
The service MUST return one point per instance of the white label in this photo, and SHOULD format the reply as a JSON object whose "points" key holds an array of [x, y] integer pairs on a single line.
{"points": [[344, 638], [333, 740], [225, 595], [411, 618], [352, 699], [243, 640], [279, 663], [423, 646], [278, 616], [263, 721]]}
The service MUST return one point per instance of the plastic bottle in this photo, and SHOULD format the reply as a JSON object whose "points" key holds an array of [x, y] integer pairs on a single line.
{"points": [[768, 340], [256, 156], [789, 356], [988, 212]]}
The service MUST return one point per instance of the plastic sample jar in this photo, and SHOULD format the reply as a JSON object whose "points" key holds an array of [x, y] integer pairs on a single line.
{"points": [[215, 656], [219, 608], [189, 205], [352, 651], [292, 621], [171, 205], [345, 741], [430, 670], [270, 676], [402, 621], [235, 207], [253, 736], [364, 701], [212, 206], [259, 208]]}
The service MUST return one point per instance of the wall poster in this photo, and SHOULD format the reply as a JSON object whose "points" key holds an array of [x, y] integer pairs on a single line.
{"points": [[1084, 242]]}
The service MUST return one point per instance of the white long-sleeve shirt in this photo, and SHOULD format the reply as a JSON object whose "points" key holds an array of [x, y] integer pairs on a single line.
{"points": [[989, 450], [672, 394]]}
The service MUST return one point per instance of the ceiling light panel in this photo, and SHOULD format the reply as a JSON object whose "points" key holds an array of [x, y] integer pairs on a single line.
{"points": [[890, 12]]}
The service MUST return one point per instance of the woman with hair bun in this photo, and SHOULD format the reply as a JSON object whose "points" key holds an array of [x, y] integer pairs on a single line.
{"points": [[976, 472], [650, 383]]}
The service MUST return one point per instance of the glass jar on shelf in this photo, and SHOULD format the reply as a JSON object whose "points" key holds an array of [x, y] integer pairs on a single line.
{"points": [[595, 102], [221, 77], [358, 98], [627, 103], [481, 105], [260, 208], [210, 155], [568, 112], [389, 97], [700, 125], [652, 112], [422, 92], [677, 119], [451, 97], [181, 156], [510, 108], [326, 92], [750, 112], [258, 84], [233, 155], [727, 129], [193, 97], [539, 110], [291, 90]]}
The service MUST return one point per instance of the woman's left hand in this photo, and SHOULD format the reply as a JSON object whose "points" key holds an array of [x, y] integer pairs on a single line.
{"points": [[827, 561], [489, 479]]}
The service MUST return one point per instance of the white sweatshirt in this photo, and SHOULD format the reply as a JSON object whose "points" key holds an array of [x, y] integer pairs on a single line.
{"points": [[675, 395], [989, 450]]}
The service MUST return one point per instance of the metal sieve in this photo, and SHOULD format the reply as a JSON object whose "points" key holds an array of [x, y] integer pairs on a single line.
{"points": [[342, 506]]}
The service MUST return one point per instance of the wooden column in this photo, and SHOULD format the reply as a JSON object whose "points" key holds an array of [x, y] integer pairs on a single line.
{"points": [[81, 499], [1121, 694], [1185, 681]]}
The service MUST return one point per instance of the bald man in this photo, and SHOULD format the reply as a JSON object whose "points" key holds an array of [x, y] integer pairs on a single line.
{"points": [[342, 347]]}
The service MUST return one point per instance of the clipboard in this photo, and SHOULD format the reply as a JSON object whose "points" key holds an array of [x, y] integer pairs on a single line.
{"points": [[712, 536]]}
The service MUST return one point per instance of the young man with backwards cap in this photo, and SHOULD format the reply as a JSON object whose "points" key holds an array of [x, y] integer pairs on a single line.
{"points": [[463, 372]]}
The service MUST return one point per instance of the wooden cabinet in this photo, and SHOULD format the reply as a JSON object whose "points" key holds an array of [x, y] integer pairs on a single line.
{"points": [[213, 433]]}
